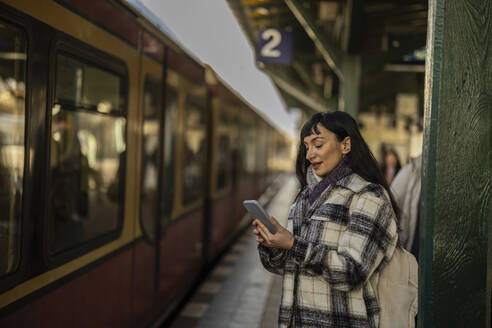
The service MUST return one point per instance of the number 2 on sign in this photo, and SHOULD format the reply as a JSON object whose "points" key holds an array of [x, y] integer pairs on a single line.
{"points": [[268, 49]]}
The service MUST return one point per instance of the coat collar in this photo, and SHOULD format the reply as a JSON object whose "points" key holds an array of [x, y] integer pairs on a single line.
{"points": [[340, 171], [353, 182]]}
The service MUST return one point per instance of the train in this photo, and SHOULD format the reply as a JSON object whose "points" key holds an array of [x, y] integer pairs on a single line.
{"points": [[124, 161]]}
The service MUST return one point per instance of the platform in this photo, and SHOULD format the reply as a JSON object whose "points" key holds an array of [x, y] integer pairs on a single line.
{"points": [[239, 292]]}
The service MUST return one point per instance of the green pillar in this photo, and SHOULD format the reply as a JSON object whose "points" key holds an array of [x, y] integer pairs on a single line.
{"points": [[350, 86], [456, 212]]}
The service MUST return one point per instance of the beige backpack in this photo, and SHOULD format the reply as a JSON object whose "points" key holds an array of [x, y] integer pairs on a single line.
{"points": [[396, 289]]}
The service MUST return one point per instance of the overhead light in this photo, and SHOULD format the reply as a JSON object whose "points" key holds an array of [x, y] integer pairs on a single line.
{"points": [[13, 55], [328, 11], [56, 109], [262, 11], [104, 107]]}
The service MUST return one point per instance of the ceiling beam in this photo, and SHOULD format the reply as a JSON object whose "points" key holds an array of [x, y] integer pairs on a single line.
{"points": [[256, 14], [238, 11], [332, 54], [398, 11], [300, 95], [259, 2], [307, 57], [404, 68], [376, 63], [306, 77]]}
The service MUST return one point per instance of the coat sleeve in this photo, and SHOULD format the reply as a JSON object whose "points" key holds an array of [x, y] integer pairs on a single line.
{"points": [[273, 259], [371, 236], [403, 190], [400, 184]]}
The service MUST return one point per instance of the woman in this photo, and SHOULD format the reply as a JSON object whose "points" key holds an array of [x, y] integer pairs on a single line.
{"points": [[333, 245], [391, 165]]}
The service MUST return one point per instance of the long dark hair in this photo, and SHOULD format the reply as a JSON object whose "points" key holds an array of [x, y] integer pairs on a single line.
{"points": [[360, 157], [384, 165]]}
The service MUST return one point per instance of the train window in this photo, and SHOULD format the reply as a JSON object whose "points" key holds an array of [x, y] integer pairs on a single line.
{"points": [[82, 85], [194, 150], [244, 130], [222, 160], [170, 131], [13, 56], [150, 146], [250, 149], [261, 156], [235, 151], [87, 154]]}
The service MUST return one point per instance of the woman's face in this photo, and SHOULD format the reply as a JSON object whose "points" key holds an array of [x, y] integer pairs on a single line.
{"points": [[391, 159], [324, 151]]}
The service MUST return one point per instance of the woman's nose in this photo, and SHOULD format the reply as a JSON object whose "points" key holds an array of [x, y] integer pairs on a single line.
{"points": [[309, 154]]}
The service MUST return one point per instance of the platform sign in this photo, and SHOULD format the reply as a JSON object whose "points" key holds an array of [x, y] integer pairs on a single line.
{"points": [[274, 46]]}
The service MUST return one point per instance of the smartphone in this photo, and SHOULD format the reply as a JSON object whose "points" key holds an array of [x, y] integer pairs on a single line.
{"points": [[258, 212]]}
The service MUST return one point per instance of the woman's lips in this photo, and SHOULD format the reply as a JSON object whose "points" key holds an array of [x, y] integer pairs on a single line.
{"points": [[316, 165]]}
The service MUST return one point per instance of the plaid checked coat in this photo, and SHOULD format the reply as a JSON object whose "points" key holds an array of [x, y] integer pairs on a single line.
{"points": [[326, 272]]}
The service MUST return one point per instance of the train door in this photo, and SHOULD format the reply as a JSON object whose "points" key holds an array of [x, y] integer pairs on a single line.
{"points": [[183, 181], [147, 226], [222, 201], [247, 137], [238, 210]]}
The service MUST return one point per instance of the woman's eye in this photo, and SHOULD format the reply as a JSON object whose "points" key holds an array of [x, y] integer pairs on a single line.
{"points": [[318, 146]]}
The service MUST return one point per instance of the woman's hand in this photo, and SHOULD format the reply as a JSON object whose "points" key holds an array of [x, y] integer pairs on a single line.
{"points": [[282, 239]]}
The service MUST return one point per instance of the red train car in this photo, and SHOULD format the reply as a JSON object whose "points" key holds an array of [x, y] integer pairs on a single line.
{"points": [[122, 167]]}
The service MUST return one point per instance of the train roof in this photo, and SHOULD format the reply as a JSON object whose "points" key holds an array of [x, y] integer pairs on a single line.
{"points": [[147, 18], [149, 15], [240, 97]]}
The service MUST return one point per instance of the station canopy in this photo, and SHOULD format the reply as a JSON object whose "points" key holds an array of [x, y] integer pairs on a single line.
{"points": [[353, 55]]}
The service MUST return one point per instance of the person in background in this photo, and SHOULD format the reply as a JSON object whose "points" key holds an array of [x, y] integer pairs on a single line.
{"points": [[406, 188], [391, 165], [342, 230]]}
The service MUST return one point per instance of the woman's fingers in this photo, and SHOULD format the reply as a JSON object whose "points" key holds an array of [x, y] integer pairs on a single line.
{"points": [[262, 232], [275, 223], [256, 223], [265, 233]]}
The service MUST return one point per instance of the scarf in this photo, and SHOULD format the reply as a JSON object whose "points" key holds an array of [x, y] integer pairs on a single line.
{"points": [[317, 184], [317, 191]]}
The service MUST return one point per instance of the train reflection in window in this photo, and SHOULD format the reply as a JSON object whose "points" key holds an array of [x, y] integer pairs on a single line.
{"points": [[194, 150], [82, 85], [12, 123], [150, 146], [87, 155], [170, 132], [250, 149], [223, 160]]}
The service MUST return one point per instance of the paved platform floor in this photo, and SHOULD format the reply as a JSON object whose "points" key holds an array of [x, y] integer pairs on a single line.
{"points": [[240, 293]]}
